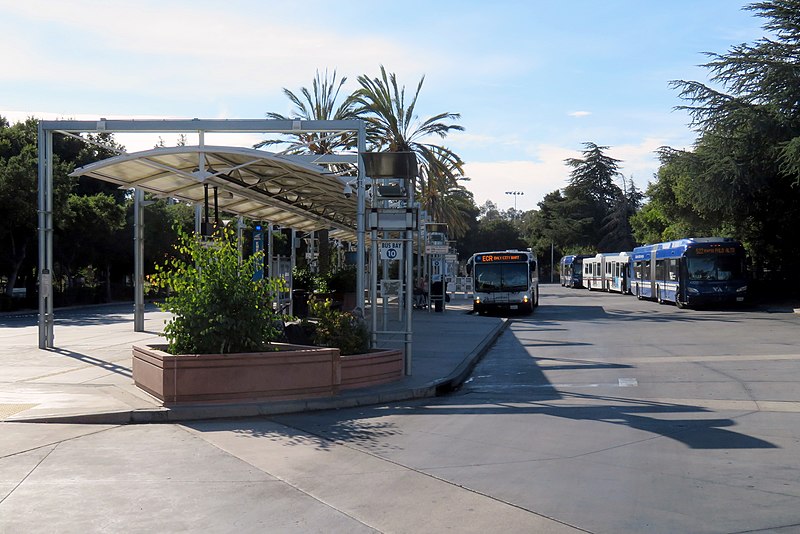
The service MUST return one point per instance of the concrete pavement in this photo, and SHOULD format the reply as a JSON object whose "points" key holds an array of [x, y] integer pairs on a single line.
{"points": [[87, 377], [259, 476]]}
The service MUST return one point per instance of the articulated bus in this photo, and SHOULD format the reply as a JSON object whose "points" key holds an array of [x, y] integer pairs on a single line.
{"points": [[607, 272], [689, 272], [571, 270], [504, 280]]}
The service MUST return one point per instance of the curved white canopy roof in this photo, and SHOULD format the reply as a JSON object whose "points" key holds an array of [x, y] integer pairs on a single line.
{"points": [[253, 183]]}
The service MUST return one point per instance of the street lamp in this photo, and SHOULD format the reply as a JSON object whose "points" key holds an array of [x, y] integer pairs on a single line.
{"points": [[515, 194]]}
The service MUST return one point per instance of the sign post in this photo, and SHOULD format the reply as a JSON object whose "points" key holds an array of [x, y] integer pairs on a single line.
{"points": [[258, 246]]}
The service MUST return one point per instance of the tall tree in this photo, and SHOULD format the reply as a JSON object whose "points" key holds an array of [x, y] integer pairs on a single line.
{"points": [[393, 125], [18, 193], [748, 154], [318, 103], [616, 233], [593, 195], [594, 174]]}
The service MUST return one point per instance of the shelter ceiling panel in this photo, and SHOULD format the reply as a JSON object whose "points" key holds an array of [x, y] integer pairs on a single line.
{"points": [[252, 183]]}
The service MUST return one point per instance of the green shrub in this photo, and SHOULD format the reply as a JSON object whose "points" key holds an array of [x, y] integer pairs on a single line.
{"points": [[343, 280], [304, 278], [342, 330], [217, 306]]}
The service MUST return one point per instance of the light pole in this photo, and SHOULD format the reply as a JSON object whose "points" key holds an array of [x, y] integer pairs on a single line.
{"points": [[515, 194]]}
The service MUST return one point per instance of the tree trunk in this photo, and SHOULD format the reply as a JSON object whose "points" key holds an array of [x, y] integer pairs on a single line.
{"points": [[108, 282], [18, 255]]}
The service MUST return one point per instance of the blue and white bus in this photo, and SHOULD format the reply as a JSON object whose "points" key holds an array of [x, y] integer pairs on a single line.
{"points": [[690, 272], [571, 270], [504, 280]]}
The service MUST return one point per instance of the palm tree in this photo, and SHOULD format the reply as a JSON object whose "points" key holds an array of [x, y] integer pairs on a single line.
{"points": [[394, 126], [317, 104], [442, 195]]}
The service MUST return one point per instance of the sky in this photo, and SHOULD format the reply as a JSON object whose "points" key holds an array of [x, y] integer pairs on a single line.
{"points": [[533, 80]]}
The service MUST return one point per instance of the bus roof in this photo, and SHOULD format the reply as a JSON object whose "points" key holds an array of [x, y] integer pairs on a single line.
{"points": [[566, 260]]}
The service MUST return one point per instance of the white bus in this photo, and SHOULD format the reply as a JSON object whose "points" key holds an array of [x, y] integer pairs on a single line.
{"points": [[505, 280], [607, 272]]}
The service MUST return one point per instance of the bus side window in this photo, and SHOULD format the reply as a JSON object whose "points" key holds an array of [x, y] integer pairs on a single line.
{"points": [[673, 270], [660, 271]]}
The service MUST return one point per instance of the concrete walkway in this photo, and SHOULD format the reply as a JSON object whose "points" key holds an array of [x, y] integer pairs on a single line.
{"points": [[87, 377]]}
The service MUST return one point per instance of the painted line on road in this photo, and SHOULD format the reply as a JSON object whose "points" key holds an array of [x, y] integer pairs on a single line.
{"points": [[554, 362], [748, 405]]}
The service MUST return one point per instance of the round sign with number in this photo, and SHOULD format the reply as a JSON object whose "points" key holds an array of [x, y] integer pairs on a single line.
{"points": [[391, 253]]}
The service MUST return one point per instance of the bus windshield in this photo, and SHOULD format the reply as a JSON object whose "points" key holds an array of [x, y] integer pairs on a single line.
{"points": [[501, 277], [715, 268]]}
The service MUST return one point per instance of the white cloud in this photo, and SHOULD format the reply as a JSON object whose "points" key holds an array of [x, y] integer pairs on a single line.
{"points": [[579, 114], [535, 179], [640, 161], [174, 49]]}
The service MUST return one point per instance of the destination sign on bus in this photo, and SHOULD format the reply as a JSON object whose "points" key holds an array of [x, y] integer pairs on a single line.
{"points": [[714, 250], [488, 258]]}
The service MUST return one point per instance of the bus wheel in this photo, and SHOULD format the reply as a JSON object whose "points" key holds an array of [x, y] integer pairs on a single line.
{"points": [[679, 304]]}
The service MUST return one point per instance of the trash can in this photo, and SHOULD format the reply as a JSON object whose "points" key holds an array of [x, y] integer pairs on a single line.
{"points": [[437, 295], [300, 302]]}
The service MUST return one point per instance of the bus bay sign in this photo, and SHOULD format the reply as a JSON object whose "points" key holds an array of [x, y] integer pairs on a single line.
{"points": [[392, 250]]}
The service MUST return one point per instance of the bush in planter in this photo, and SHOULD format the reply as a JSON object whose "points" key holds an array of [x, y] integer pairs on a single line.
{"points": [[304, 278], [343, 330], [343, 280], [218, 308]]}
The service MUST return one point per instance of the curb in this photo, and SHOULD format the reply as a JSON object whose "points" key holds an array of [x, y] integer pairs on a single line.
{"points": [[176, 414]]}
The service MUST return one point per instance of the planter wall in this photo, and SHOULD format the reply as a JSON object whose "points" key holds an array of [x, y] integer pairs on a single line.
{"points": [[292, 372], [372, 368]]}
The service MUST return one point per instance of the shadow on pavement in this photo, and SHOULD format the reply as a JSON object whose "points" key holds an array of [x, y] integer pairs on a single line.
{"points": [[91, 360]]}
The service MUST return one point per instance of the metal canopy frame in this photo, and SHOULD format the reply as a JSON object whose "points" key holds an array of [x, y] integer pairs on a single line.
{"points": [[252, 183], [288, 190]]}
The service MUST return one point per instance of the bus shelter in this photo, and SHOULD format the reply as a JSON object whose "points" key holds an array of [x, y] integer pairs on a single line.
{"points": [[291, 191]]}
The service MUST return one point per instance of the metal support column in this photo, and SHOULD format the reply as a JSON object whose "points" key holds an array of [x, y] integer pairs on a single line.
{"points": [[361, 224], [138, 260], [270, 253], [373, 287], [45, 214], [293, 264], [409, 287]]}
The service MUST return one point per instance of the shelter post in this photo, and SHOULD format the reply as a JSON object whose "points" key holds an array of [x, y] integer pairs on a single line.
{"points": [[138, 260], [45, 238]]}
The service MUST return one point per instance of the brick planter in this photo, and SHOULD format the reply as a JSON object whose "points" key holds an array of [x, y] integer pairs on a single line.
{"points": [[292, 372], [372, 368]]}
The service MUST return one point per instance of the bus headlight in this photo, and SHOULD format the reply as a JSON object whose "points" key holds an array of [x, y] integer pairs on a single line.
{"points": [[477, 300], [742, 289], [525, 299], [692, 291]]}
